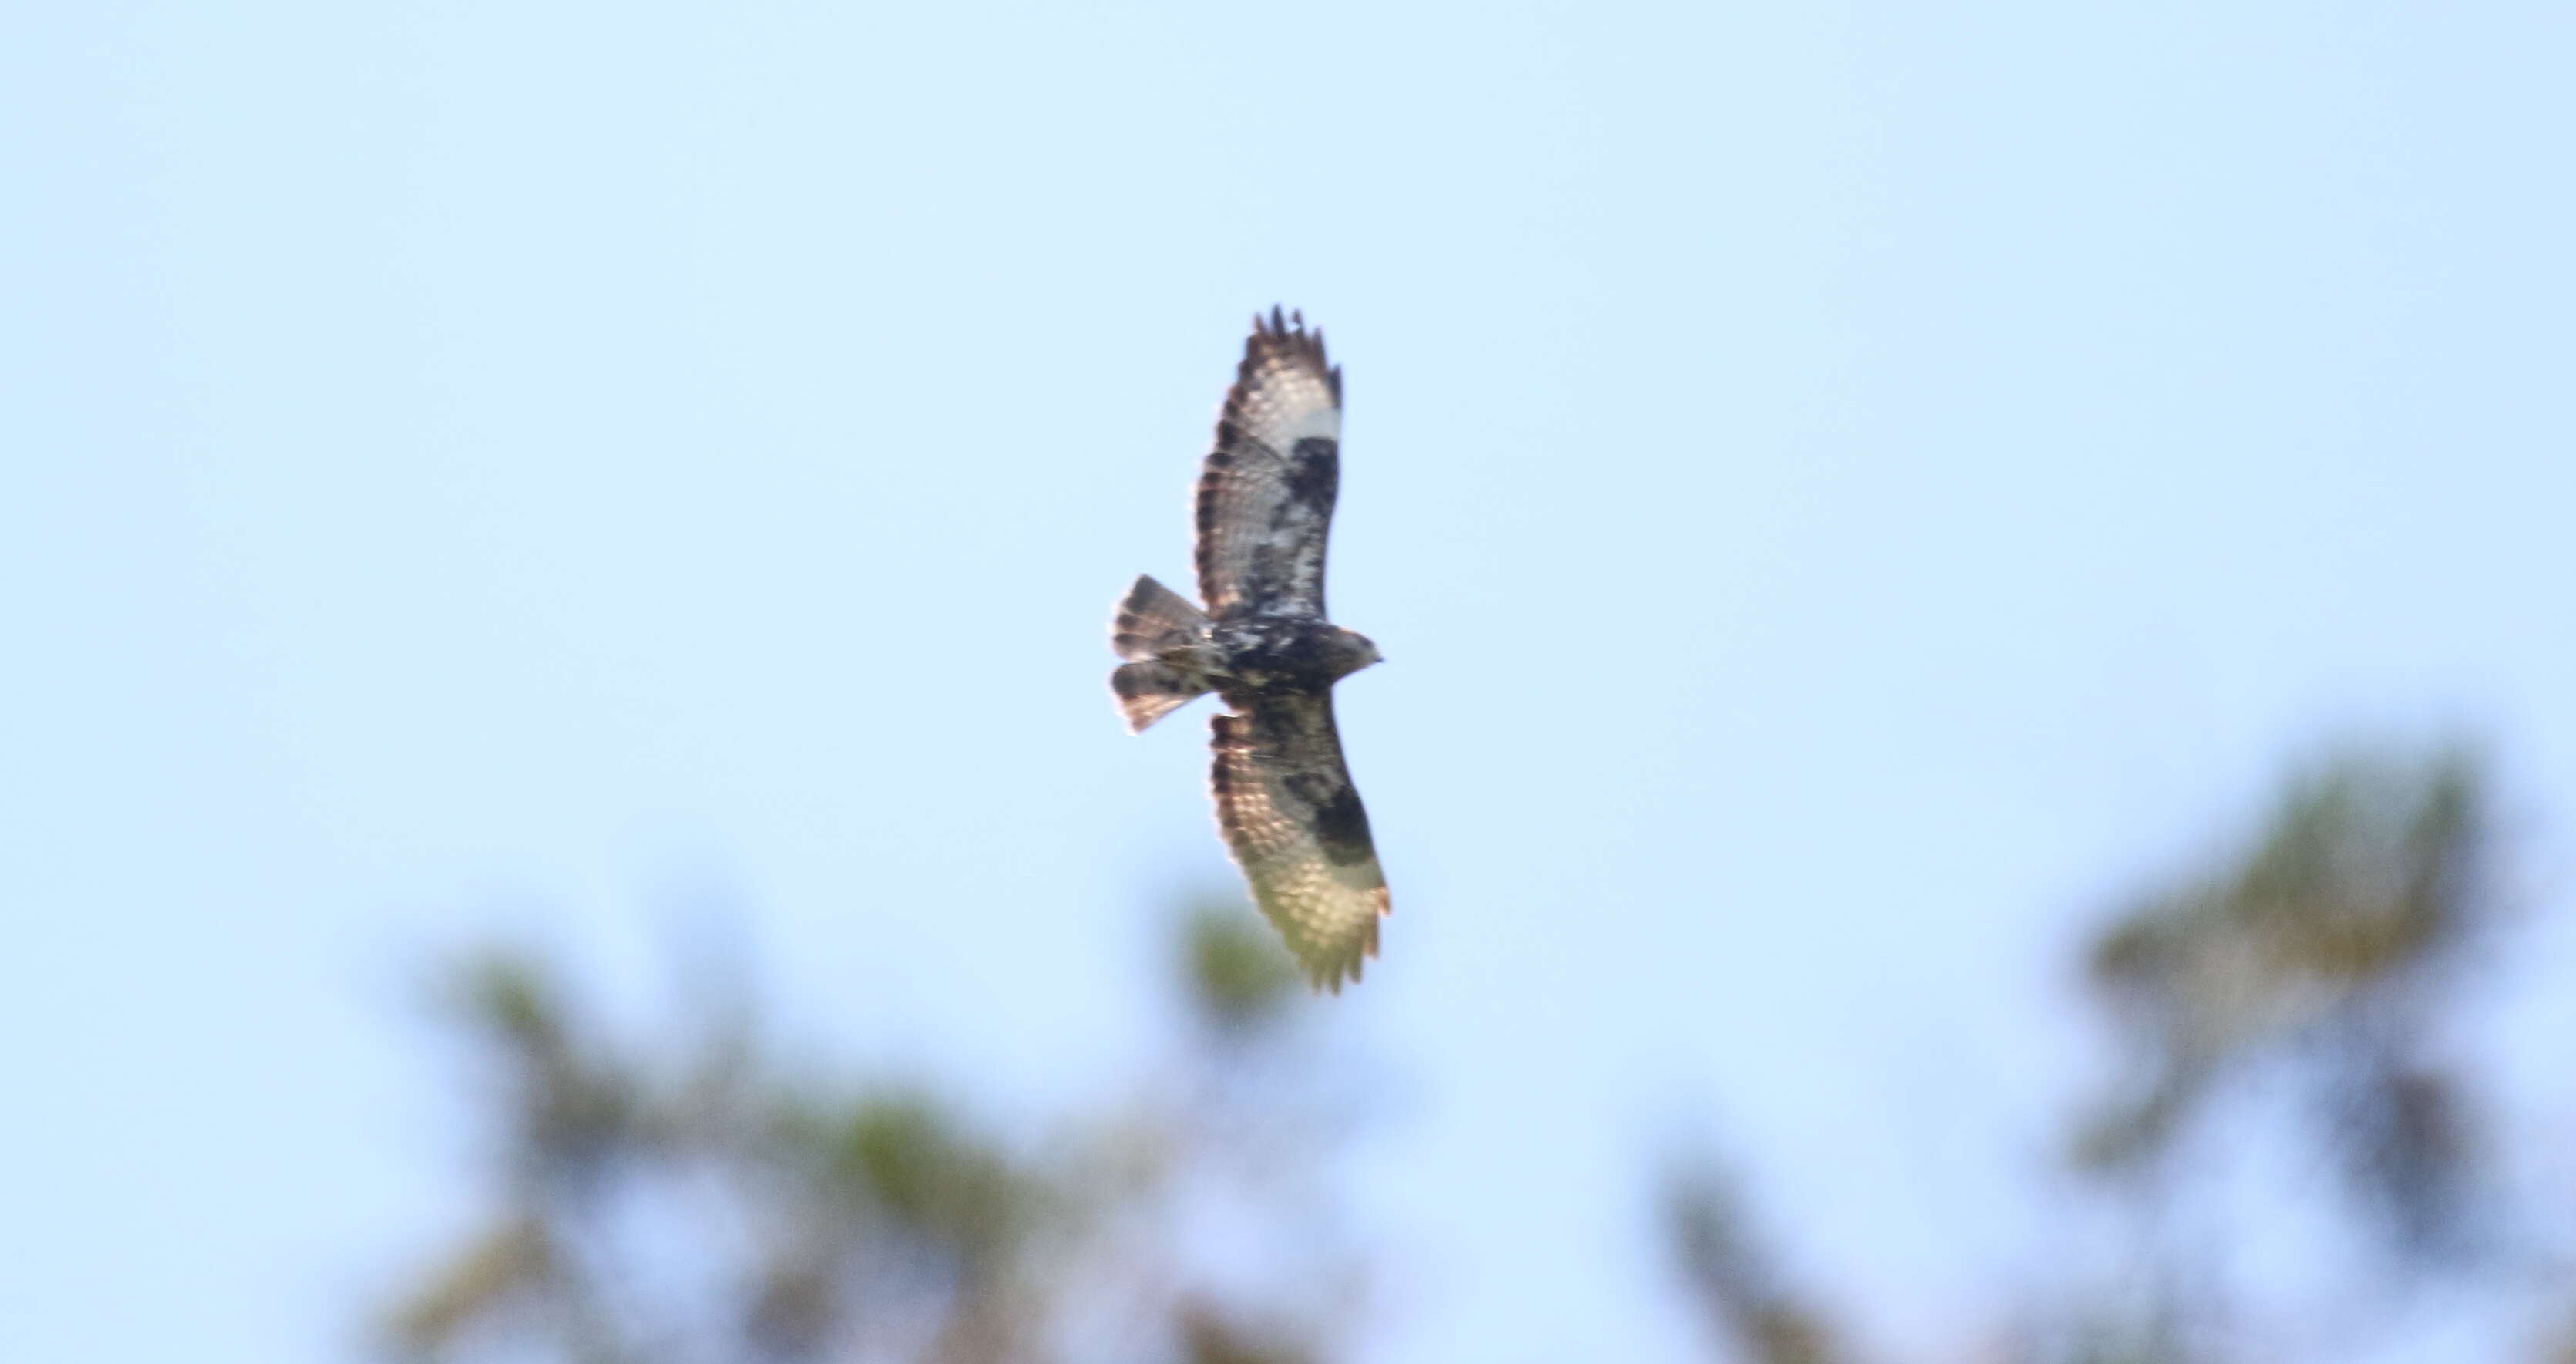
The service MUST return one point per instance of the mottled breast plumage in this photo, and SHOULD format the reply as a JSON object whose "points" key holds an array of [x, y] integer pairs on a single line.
{"points": [[1262, 652]]}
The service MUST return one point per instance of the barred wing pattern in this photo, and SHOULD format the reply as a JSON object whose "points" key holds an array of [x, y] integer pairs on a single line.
{"points": [[1266, 492], [1295, 824]]}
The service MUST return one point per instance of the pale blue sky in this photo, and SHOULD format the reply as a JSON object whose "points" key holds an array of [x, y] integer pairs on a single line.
{"points": [[1843, 490]]}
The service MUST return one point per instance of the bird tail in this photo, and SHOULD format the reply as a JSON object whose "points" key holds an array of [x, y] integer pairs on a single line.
{"points": [[1154, 618], [1148, 691]]}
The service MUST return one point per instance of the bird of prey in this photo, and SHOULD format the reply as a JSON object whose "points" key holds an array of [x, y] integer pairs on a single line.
{"points": [[1262, 644]]}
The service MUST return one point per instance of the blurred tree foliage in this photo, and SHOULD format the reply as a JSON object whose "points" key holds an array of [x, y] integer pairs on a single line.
{"points": [[2297, 990], [701, 1202], [2328, 950]]}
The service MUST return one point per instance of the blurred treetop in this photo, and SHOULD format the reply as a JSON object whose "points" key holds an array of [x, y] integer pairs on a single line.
{"points": [[2296, 988], [697, 1203]]}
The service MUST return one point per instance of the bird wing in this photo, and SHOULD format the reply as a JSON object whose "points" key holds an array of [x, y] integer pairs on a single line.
{"points": [[1266, 492], [1285, 801]]}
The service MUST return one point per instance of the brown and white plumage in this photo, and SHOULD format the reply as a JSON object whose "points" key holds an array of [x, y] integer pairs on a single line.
{"points": [[1266, 492], [1283, 793], [1296, 826]]}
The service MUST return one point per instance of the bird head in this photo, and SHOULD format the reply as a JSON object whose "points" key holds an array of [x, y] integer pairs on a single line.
{"points": [[1354, 651]]}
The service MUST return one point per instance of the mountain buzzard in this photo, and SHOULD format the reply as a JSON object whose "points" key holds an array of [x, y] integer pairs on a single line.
{"points": [[1283, 796]]}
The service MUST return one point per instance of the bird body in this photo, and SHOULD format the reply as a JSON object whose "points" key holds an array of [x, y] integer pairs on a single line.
{"points": [[1257, 653]]}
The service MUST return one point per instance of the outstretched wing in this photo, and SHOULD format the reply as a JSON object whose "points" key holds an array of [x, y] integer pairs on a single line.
{"points": [[1266, 492], [1295, 824]]}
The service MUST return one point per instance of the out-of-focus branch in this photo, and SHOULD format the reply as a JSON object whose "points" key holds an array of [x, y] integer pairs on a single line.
{"points": [[1736, 1280]]}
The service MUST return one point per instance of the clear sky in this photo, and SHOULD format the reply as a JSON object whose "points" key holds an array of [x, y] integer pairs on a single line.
{"points": [[1844, 491]]}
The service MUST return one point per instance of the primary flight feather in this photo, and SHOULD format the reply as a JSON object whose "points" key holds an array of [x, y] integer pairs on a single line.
{"points": [[1283, 794]]}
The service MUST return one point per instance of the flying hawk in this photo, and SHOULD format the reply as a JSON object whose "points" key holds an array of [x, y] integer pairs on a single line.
{"points": [[1283, 796]]}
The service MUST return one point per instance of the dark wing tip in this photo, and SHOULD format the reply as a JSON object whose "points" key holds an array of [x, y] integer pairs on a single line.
{"points": [[1285, 332], [1332, 970]]}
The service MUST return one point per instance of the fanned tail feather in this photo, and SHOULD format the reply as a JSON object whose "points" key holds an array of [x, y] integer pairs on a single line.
{"points": [[1148, 691], [1154, 618]]}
